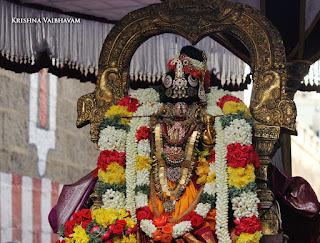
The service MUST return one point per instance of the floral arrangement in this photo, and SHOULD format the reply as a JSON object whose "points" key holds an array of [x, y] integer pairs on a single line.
{"points": [[235, 161], [102, 225], [124, 166]]}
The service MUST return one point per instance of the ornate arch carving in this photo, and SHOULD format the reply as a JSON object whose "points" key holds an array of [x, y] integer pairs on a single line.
{"points": [[194, 20]]}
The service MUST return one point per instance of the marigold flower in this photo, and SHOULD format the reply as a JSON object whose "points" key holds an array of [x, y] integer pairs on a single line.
{"points": [[157, 235], [232, 107], [143, 162], [80, 235], [166, 238], [227, 98], [105, 217], [211, 177], [167, 229], [252, 238], [202, 170], [118, 110], [241, 176], [115, 173]]}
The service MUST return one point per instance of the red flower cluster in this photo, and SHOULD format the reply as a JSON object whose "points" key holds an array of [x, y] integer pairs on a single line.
{"points": [[143, 133], [131, 103], [160, 221], [82, 217], [212, 158], [189, 69], [143, 213], [132, 230], [248, 225], [226, 98], [240, 156], [194, 72], [196, 219], [116, 229], [106, 157]]}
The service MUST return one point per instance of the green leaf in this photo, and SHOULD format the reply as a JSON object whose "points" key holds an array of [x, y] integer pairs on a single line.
{"points": [[103, 187], [115, 122]]}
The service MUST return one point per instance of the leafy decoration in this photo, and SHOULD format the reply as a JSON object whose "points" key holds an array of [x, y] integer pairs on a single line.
{"points": [[115, 122], [103, 187]]}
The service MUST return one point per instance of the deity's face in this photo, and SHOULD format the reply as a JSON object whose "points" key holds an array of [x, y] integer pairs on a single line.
{"points": [[180, 110]]}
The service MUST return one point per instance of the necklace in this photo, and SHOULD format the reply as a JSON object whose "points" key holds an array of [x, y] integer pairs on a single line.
{"points": [[160, 172]]}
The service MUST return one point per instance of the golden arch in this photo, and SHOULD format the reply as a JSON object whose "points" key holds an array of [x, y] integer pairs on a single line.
{"points": [[194, 20]]}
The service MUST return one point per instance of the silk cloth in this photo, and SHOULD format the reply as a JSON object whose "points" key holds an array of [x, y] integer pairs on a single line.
{"points": [[205, 232], [71, 200]]}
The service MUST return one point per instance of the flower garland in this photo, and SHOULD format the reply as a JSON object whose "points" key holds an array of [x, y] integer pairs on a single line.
{"points": [[102, 225], [241, 160], [111, 222], [124, 167], [138, 149], [222, 185]]}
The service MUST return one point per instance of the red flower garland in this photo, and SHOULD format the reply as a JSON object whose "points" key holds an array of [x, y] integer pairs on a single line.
{"points": [[248, 225], [143, 133], [106, 157], [241, 156], [226, 98], [196, 219], [131, 103], [143, 213]]}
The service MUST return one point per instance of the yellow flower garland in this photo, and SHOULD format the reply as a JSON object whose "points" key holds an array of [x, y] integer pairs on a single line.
{"points": [[232, 107], [241, 176], [105, 217], [130, 239], [143, 162], [121, 111], [130, 222], [80, 236], [249, 238], [202, 170], [115, 173]]}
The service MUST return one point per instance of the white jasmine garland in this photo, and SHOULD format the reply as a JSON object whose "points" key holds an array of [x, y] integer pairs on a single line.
{"points": [[113, 199], [203, 209], [246, 205], [143, 177], [239, 131], [145, 96], [148, 227], [148, 109], [181, 229], [149, 99], [222, 185], [141, 200], [215, 95], [131, 155], [112, 139], [210, 188], [144, 148], [214, 111], [212, 98]]}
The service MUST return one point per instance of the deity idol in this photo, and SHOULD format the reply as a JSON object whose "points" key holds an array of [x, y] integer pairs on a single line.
{"points": [[175, 166]]}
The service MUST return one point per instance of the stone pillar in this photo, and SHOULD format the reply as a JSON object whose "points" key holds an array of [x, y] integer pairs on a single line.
{"points": [[266, 138]]}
